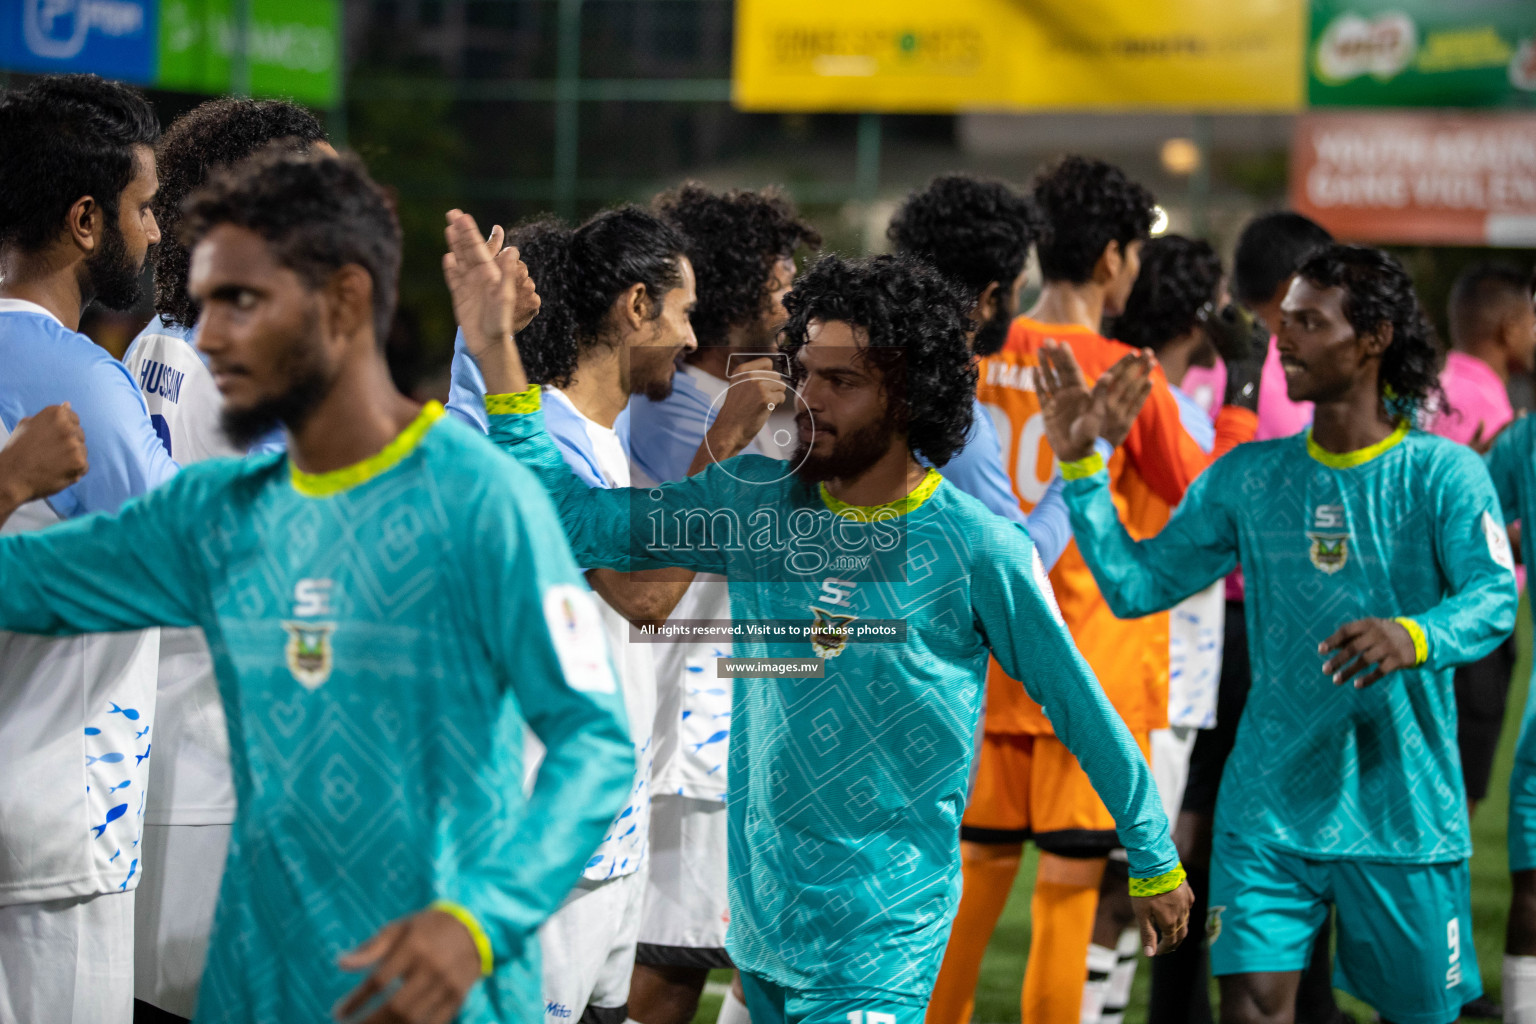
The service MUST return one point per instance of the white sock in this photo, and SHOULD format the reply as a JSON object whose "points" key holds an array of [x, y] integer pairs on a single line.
{"points": [[1119, 993], [1519, 989], [1101, 961], [733, 1011]]}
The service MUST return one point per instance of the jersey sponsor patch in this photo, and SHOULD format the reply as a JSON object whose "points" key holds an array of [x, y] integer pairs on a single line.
{"points": [[1498, 542], [577, 633], [309, 652]]}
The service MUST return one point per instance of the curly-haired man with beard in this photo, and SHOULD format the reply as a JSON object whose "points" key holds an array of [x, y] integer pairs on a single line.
{"points": [[887, 587], [1375, 554]]}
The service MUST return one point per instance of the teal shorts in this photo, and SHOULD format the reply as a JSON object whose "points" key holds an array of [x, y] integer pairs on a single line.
{"points": [[1404, 931], [772, 1004]]}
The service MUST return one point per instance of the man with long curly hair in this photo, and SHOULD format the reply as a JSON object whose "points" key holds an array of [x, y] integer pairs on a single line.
{"points": [[614, 317], [884, 588], [1374, 554]]}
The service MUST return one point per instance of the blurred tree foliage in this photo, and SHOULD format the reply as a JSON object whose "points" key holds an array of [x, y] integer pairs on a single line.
{"points": [[415, 150]]}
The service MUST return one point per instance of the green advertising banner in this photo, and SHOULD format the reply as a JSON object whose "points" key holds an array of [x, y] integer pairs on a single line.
{"points": [[293, 47], [1422, 53]]}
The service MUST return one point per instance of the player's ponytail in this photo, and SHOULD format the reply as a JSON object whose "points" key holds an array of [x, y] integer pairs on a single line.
{"points": [[580, 273]]}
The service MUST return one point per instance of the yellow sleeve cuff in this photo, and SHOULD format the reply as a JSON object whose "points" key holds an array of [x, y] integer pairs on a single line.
{"points": [[1082, 467], [1420, 641], [1165, 882], [521, 402], [468, 920]]}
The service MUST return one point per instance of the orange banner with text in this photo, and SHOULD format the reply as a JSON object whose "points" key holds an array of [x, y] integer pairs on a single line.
{"points": [[1424, 178]]}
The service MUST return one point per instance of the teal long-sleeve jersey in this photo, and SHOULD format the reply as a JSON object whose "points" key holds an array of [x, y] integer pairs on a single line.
{"points": [[1409, 528], [1512, 464], [381, 637], [846, 792]]}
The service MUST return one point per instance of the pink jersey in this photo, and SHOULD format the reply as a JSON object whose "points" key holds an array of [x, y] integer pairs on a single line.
{"points": [[1278, 415], [1476, 397]]}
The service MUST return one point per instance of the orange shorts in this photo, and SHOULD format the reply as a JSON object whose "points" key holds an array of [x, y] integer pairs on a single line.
{"points": [[1031, 787]]}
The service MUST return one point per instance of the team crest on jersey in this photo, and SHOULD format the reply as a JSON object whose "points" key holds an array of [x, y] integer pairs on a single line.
{"points": [[309, 652], [1330, 546], [1329, 552], [828, 636]]}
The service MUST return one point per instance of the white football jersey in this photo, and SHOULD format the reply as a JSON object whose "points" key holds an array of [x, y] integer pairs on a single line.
{"points": [[595, 454], [75, 712], [190, 783]]}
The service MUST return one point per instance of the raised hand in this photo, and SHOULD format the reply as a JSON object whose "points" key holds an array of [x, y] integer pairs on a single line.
{"points": [[493, 298], [1164, 919], [429, 959], [1119, 395], [1066, 404], [756, 389], [1382, 643], [45, 454]]}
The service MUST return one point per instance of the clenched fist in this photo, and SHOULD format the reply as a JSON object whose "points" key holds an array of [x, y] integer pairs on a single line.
{"points": [[45, 454]]}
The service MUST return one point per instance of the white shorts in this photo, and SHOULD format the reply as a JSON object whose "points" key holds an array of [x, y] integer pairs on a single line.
{"points": [[183, 865], [686, 908], [588, 951], [1171, 748], [67, 961]]}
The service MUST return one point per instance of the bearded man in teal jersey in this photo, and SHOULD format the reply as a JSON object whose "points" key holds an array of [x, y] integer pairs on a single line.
{"points": [[846, 789], [1373, 553], [389, 605]]}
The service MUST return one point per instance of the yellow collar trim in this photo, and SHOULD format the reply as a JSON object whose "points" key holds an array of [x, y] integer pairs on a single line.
{"points": [[324, 485], [1360, 456], [900, 507]]}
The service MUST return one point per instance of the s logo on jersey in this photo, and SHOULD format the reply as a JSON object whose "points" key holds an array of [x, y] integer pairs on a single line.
{"points": [[1330, 550], [309, 652], [828, 636]]}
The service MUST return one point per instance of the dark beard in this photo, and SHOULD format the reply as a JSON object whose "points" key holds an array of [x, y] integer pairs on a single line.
{"points": [[992, 335], [659, 389], [114, 278], [307, 388], [851, 455]]}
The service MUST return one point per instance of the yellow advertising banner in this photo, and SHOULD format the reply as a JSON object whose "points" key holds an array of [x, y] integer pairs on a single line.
{"points": [[941, 56]]}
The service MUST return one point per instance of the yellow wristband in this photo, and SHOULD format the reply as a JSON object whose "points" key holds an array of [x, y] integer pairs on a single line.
{"points": [[1420, 641], [520, 402], [1165, 882], [1082, 467], [477, 933]]}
